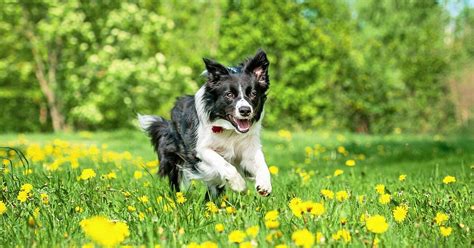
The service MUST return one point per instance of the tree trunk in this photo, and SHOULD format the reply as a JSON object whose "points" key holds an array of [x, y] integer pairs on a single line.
{"points": [[56, 117], [47, 83]]}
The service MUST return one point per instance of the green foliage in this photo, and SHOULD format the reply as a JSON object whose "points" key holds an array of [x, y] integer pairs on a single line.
{"points": [[365, 66]]}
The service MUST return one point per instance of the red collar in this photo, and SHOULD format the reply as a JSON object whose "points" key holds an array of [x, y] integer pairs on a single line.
{"points": [[217, 129]]}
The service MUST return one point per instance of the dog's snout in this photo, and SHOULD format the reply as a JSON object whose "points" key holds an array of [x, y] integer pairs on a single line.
{"points": [[245, 111]]}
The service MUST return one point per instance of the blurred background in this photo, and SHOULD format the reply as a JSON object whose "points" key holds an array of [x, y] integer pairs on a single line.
{"points": [[361, 66]]}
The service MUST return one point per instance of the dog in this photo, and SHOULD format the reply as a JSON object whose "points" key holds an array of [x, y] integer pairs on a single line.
{"points": [[214, 136]]}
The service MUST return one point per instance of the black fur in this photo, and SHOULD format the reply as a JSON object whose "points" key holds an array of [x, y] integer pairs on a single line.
{"points": [[168, 138], [175, 141]]}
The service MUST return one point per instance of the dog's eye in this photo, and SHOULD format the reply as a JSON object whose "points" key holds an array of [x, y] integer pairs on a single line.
{"points": [[253, 94], [229, 95]]}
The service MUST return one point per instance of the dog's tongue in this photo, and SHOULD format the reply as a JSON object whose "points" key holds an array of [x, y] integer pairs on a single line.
{"points": [[243, 125]]}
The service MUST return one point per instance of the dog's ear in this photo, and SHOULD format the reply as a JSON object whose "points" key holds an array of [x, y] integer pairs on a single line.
{"points": [[214, 70], [258, 67]]}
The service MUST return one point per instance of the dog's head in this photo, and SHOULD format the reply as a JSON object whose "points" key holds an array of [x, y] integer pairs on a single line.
{"points": [[237, 94]]}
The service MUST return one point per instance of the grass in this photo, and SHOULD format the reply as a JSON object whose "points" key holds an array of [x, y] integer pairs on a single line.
{"points": [[306, 161]]}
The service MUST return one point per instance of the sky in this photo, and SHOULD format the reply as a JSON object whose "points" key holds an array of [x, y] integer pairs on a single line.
{"points": [[455, 7]]}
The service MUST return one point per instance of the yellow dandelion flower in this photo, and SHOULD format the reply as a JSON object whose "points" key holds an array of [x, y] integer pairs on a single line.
{"points": [[342, 234], [294, 205], [449, 179], [137, 175], [88, 245], [236, 236], [350, 162], [143, 199], [272, 224], [219, 228], [385, 198], [400, 213], [87, 174], [78, 209], [180, 199], [252, 231], [141, 216], [341, 149], [284, 134], [441, 218], [303, 238], [22, 196], [273, 170], [208, 244], [104, 231], [272, 215], [44, 198], [328, 194], [316, 208], [380, 188], [131, 209], [211, 207], [246, 244], [273, 235], [376, 242], [342, 195], [376, 224], [338, 172], [305, 176], [281, 246], [111, 175], [3, 208], [230, 210], [152, 164], [402, 177], [269, 237], [27, 188], [31, 221], [193, 245], [445, 231], [360, 199]]}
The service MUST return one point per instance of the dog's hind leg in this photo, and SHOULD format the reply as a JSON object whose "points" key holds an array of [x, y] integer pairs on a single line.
{"points": [[169, 168], [165, 142]]}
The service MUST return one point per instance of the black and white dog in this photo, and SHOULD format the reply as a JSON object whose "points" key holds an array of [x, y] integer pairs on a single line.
{"points": [[214, 136]]}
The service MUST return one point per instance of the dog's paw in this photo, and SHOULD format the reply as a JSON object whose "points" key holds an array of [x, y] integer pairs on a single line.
{"points": [[264, 188], [237, 183]]}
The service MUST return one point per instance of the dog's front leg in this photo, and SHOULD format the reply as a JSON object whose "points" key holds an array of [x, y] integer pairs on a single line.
{"points": [[222, 169], [255, 163]]}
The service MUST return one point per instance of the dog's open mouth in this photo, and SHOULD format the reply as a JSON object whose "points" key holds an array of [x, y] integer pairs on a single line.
{"points": [[242, 125]]}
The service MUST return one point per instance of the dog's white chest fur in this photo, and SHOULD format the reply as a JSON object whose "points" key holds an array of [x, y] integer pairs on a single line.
{"points": [[229, 145]]}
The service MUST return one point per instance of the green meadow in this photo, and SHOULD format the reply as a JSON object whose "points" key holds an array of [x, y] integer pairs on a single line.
{"points": [[75, 177]]}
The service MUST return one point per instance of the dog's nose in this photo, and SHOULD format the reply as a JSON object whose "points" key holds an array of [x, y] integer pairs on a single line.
{"points": [[245, 111]]}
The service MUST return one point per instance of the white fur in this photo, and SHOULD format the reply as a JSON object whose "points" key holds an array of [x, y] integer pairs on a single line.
{"points": [[227, 154], [145, 121], [242, 103]]}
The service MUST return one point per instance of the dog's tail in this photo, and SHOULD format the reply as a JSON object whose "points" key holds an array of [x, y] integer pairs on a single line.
{"points": [[165, 143], [155, 126]]}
